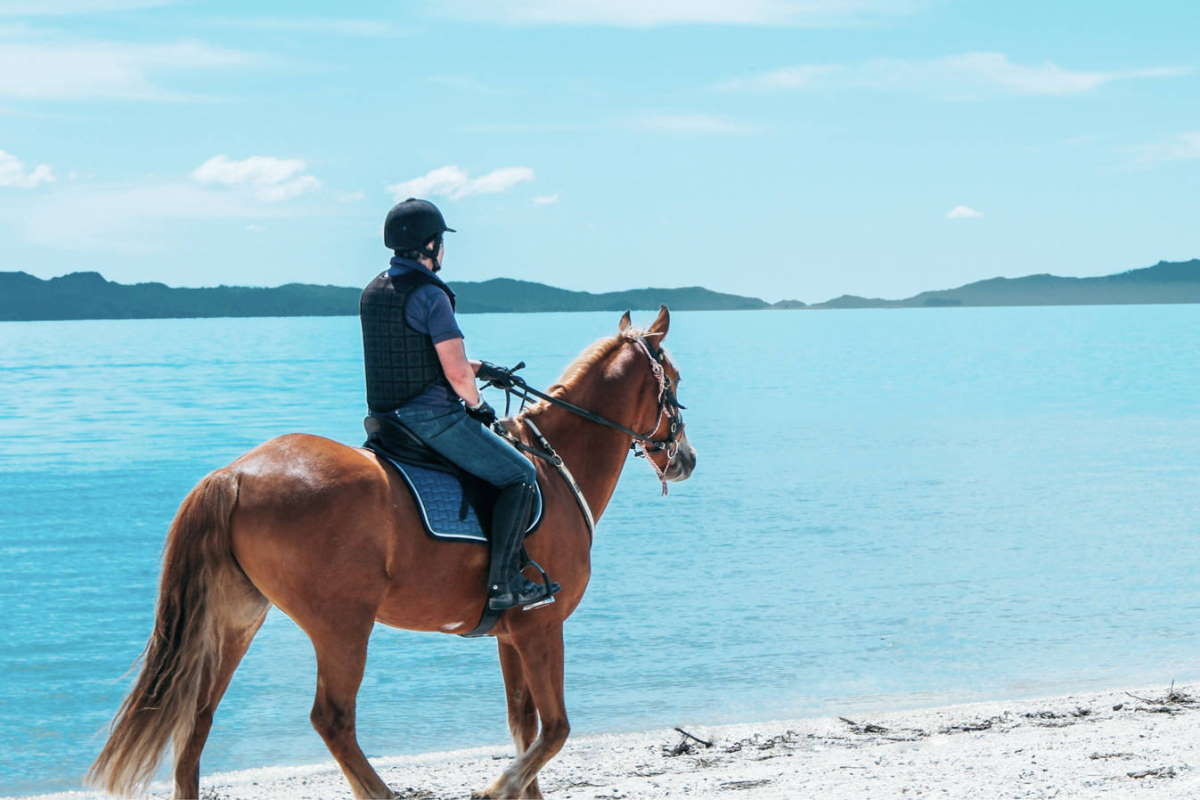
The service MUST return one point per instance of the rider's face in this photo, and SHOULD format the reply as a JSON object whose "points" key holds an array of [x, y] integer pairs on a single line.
{"points": [[441, 253]]}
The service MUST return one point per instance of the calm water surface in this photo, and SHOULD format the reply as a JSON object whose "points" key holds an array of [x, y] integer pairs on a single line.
{"points": [[890, 507]]}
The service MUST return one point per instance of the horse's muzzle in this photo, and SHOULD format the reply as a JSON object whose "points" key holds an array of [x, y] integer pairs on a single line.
{"points": [[681, 466]]}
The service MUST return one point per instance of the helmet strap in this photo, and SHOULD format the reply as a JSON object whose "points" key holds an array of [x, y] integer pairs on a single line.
{"points": [[430, 251]]}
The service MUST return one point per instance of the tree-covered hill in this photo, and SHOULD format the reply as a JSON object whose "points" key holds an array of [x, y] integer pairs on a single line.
{"points": [[87, 295], [1165, 282]]}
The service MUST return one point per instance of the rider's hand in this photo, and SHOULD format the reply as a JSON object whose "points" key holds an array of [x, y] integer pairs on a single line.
{"points": [[491, 372], [482, 412]]}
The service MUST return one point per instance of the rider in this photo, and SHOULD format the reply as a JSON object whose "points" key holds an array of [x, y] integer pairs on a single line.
{"points": [[418, 373]]}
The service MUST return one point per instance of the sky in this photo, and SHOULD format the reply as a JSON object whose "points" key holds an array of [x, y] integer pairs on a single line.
{"points": [[784, 149]]}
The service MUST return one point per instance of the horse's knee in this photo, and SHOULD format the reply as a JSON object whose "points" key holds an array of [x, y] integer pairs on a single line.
{"points": [[331, 719], [556, 731]]}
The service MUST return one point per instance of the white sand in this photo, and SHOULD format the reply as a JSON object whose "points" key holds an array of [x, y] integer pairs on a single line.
{"points": [[1071, 746]]}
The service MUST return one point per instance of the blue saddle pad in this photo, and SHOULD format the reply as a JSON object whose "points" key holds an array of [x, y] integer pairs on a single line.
{"points": [[439, 498]]}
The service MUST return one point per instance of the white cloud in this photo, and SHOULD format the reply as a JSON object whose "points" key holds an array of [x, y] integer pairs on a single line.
{"points": [[31, 8], [464, 83], [146, 217], [650, 13], [545, 199], [692, 124], [1182, 147], [1045, 79], [524, 127], [363, 28], [966, 75], [804, 76], [134, 219], [13, 30], [66, 70], [453, 182], [963, 212], [13, 173], [269, 179]]}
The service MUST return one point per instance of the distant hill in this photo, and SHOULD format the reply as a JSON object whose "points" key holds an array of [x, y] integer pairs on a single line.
{"points": [[87, 295], [506, 294], [1165, 282]]}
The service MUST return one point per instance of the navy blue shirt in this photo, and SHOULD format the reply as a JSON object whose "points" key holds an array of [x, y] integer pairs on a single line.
{"points": [[429, 312]]}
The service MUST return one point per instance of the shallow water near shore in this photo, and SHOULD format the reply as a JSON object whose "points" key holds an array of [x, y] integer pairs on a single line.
{"points": [[950, 503]]}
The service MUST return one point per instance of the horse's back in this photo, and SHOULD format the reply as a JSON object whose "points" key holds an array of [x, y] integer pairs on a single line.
{"points": [[305, 465]]}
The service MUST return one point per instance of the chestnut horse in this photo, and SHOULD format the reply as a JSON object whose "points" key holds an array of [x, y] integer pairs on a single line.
{"points": [[331, 536]]}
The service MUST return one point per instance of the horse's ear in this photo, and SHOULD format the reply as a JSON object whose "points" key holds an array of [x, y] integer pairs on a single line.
{"points": [[661, 322], [624, 323]]}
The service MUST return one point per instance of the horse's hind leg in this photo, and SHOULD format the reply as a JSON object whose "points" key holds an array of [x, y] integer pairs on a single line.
{"points": [[341, 657], [239, 617], [541, 656]]}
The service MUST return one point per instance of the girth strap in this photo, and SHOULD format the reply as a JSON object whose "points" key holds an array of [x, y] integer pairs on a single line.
{"points": [[555, 459]]}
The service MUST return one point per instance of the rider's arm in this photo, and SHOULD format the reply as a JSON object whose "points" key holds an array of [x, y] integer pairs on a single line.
{"points": [[459, 371], [430, 312]]}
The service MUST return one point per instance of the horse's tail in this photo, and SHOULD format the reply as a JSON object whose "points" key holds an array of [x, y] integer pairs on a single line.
{"points": [[199, 577]]}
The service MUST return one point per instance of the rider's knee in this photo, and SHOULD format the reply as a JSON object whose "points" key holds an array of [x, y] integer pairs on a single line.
{"points": [[526, 474]]}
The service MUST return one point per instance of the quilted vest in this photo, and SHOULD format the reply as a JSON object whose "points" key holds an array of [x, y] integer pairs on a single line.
{"points": [[401, 362]]}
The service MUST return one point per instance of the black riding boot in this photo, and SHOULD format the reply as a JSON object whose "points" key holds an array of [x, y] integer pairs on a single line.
{"points": [[507, 586]]}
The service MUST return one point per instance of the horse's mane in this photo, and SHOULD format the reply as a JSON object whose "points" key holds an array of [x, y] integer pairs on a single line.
{"points": [[592, 355]]}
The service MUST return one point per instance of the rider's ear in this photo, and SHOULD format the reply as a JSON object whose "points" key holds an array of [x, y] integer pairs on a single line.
{"points": [[624, 323], [661, 322]]}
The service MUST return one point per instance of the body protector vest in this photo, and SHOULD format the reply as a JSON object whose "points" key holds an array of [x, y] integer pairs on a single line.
{"points": [[401, 362]]}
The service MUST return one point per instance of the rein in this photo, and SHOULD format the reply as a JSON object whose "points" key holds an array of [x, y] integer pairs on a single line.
{"points": [[642, 444]]}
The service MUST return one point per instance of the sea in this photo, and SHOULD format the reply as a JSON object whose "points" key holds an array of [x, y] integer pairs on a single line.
{"points": [[891, 508]]}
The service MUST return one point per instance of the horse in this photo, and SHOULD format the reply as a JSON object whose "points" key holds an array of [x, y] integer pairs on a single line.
{"points": [[331, 536]]}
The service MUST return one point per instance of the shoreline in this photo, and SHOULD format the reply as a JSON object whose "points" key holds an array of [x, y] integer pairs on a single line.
{"points": [[1078, 745]]}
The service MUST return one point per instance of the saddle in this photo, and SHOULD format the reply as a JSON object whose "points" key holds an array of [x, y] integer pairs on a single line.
{"points": [[454, 505]]}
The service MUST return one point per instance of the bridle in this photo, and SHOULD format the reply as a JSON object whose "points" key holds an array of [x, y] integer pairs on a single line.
{"points": [[643, 444], [668, 405]]}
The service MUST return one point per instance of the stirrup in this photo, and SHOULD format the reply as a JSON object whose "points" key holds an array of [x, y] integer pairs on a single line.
{"points": [[552, 588], [508, 599]]}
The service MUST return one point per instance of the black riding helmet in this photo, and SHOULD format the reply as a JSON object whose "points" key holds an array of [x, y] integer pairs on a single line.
{"points": [[415, 226]]}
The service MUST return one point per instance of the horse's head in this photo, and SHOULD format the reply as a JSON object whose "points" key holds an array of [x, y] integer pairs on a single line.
{"points": [[668, 448]]}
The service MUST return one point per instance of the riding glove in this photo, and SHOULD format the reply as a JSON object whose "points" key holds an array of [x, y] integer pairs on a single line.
{"points": [[482, 412], [492, 372]]}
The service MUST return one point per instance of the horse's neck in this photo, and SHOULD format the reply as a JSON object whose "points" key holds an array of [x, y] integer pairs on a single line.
{"points": [[594, 453]]}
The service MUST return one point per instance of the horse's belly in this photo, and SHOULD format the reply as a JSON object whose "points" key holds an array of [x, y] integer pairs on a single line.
{"points": [[440, 589]]}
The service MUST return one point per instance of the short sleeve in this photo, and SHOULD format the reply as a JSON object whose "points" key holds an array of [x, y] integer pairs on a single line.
{"points": [[430, 312]]}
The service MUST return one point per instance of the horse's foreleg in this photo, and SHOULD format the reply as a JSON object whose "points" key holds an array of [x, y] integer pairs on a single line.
{"points": [[541, 656], [341, 657], [522, 715]]}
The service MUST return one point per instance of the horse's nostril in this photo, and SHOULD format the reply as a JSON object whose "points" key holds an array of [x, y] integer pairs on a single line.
{"points": [[682, 465]]}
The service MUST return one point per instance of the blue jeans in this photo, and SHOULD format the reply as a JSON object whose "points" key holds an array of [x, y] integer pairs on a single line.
{"points": [[465, 442]]}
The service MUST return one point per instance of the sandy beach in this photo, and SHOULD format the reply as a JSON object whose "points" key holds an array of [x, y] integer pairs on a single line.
{"points": [[1116, 743]]}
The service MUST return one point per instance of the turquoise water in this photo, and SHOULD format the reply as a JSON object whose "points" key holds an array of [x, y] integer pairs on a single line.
{"points": [[890, 507]]}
